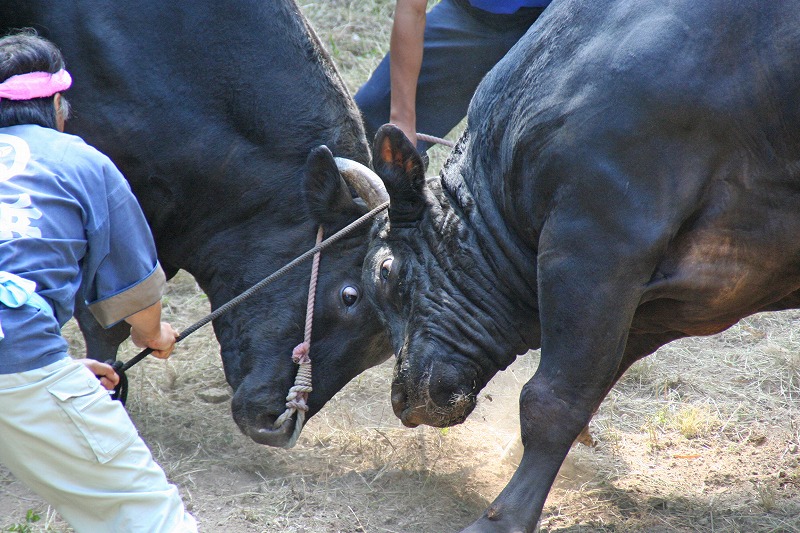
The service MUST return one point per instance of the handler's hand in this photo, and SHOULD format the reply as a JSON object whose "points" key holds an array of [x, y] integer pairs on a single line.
{"points": [[161, 342], [105, 373]]}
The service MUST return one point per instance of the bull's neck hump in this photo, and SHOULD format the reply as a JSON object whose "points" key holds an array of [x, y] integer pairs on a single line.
{"points": [[471, 194]]}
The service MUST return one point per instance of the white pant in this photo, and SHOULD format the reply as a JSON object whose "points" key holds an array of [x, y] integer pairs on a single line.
{"points": [[63, 436]]}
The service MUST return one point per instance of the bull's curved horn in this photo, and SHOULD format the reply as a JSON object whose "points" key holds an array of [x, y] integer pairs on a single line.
{"points": [[366, 183]]}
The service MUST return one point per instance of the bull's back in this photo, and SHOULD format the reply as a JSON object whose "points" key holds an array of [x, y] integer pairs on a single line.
{"points": [[246, 65], [197, 100], [671, 124]]}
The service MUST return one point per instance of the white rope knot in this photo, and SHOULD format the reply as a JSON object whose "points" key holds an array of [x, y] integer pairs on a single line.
{"points": [[298, 394], [296, 400]]}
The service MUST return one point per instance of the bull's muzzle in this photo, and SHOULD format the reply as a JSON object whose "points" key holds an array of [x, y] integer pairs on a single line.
{"points": [[435, 400]]}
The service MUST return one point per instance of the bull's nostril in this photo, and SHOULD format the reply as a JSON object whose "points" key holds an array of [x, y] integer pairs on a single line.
{"points": [[266, 433], [399, 398]]}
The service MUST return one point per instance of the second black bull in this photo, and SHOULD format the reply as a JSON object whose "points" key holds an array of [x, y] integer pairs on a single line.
{"points": [[213, 110], [629, 175]]}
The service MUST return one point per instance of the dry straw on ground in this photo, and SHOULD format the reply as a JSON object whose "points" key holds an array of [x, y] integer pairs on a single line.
{"points": [[702, 436]]}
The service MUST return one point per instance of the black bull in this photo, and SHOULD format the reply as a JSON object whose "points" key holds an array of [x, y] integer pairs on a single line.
{"points": [[211, 109], [629, 175]]}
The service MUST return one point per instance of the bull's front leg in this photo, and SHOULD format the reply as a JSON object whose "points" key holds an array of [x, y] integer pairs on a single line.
{"points": [[586, 309], [550, 422], [101, 344]]}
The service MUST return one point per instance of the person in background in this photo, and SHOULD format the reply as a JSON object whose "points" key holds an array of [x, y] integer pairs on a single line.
{"points": [[67, 217], [436, 60]]}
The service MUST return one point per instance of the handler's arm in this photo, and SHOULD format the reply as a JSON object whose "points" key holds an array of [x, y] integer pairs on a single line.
{"points": [[148, 331], [405, 61]]}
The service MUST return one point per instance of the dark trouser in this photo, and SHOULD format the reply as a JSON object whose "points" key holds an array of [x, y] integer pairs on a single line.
{"points": [[462, 44]]}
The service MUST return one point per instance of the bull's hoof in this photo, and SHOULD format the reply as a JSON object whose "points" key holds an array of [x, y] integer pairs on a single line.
{"points": [[495, 520], [485, 526]]}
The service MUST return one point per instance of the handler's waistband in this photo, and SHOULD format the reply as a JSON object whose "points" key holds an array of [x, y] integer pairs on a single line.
{"points": [[16, 291], [522, 18]]}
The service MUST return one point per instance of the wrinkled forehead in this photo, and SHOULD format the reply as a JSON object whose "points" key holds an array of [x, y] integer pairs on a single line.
{"points": [[405, 242]]}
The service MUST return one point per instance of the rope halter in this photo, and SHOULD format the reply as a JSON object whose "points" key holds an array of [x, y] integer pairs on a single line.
{"points": [[435, 140], [298, 393]]}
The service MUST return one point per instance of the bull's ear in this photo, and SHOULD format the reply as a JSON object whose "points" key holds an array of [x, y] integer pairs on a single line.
{"points": [[400, 167], [326, 193]]}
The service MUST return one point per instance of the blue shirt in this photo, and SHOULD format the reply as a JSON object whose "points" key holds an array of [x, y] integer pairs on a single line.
{"points": [[506, 7], [67, 216]]}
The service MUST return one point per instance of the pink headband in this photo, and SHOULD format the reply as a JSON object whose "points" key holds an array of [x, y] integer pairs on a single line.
{"points": [[35, 85]]}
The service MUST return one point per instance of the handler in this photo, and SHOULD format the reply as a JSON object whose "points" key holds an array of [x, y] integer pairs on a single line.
{"points": [[67, 217], [436, 61]]}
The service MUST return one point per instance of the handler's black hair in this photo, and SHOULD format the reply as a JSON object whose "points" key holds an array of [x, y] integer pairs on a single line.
{"points": [[22, 52]]}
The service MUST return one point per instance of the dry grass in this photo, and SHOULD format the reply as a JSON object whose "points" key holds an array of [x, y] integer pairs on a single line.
{"points": [[702, 436]]}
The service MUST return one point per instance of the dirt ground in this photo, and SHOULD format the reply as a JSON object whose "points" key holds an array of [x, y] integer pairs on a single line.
{"points": [[702, 436]]}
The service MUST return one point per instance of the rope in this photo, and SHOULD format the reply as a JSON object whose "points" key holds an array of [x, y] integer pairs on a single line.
{"points": [[121, 391], [298, 394], [436, 140]]}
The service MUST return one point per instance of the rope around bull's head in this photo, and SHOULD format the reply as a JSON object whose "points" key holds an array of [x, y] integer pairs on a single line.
{"points": [[121, 391], [298, 393]]}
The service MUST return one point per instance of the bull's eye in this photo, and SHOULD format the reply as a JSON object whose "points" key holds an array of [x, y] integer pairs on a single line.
{"points": [[349, 295], [386, 268]]}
